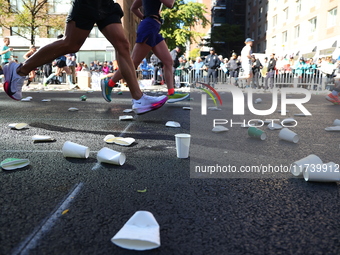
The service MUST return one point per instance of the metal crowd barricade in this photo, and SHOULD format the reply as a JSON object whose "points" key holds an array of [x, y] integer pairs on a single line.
{"points": [[311, 79]]}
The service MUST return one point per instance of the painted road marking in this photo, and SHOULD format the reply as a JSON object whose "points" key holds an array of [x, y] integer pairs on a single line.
{"points": [[32, 240]]}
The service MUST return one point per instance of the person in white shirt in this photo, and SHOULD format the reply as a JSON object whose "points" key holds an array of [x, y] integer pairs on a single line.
{"points": [[246, 61]]}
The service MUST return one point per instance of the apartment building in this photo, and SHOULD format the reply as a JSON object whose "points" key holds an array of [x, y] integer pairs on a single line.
{"points": [[96, 47], [232, 12], [294, 28]]}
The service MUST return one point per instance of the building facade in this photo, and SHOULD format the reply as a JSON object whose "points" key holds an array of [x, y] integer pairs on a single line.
{"points": [[295, 28]]}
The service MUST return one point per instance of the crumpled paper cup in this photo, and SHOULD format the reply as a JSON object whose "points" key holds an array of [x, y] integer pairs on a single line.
{"points": [[18, 126], [14, 163], [173, 124], [140, 232]]}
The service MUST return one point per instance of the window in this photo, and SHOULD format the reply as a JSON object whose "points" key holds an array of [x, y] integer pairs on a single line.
{"points": [[259, 32], [95, 33], [258, 48], [53, 33], [332, 15], [274, 21], [59, 6], [260, 12], [274, 41], [254, 2], [17, 5], [296, 31], [284, 37], [312, 25], [286, 13], [298, 6]]}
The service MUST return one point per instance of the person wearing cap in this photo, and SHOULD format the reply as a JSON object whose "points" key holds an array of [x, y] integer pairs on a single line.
{"points": [[212, 62], [246, 61]]}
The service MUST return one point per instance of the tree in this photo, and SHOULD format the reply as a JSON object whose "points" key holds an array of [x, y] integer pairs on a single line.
{"points": [[179, 21], [29, 17]]}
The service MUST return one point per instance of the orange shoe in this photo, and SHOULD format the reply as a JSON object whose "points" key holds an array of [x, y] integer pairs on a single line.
{"points": [[333, 99]]}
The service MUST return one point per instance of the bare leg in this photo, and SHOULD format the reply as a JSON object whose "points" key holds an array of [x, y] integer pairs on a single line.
{"points": [[140, 50], [115, 34], [73, 40], [162, 52]]}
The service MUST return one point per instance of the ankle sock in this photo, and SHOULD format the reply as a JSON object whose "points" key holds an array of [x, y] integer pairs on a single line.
{"points": [[171, 91], [111, 83]]}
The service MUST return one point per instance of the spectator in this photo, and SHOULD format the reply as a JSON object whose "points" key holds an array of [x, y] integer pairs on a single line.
{"points": [[270, 72], [198, 66], [212, 62], [71, 64], [233, 67], [6, 52], [256, 68]]}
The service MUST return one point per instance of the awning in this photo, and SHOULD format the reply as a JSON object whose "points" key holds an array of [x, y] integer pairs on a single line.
{"points": [[328, 51]]}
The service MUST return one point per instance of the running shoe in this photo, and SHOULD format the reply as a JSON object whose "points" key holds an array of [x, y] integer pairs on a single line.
{"points": [[177, 97], [148, 103], [333, 99], [106, 90], [13, 81]]}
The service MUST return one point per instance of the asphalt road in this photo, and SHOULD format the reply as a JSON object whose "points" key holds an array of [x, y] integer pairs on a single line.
{"points": [[273, 213]]}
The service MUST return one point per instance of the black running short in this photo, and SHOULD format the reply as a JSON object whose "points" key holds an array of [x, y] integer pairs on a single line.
{"points": [[86, 13], [61, 63]]}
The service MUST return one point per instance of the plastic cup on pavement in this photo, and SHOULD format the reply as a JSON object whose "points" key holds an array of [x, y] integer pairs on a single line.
{"points": [[257, 133], [74, 150], [140, 232], [107, 155], [328, 172], [288, 135], [182, 145], [298, 167], [336, 122]]}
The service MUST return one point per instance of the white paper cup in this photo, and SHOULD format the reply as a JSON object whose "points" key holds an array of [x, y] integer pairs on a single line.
{"points": [[106, 155], [298, 167], [182, 145], [140, 232], [288, 135], [258, 100], [328, 172], [74, 150], [336, 122]]}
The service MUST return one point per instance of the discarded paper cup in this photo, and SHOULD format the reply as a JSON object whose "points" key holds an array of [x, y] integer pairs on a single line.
{"points": [[140, 232], [258, 100], [257, 133], [274, 126], [172, 124], [106, 155], [74, 150], [182, 145], [219, 129], [14, 163], [298, 167], [18, 125], [288, 135], [328, 172], [336, 122]]}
